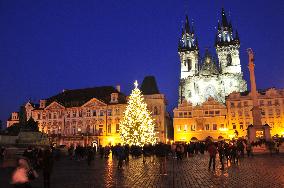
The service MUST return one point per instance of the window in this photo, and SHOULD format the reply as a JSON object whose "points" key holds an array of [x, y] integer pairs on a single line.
{"points": [[43, 116], [239, 104], [117, 128], [232, 104], [180, 114], [49, 115], [233, 114], [246, 113], [270, 112], [109, 112], [54, 115], [79, 130], [94, 113], [101, 113], [277, 112], [211, 113], [74, 113], [269, 103], [246, 103], [185, 114], [261, 102], [155, 110], [100, 131], [109, 128], [38, 116], [217, 112], [207, 127], [185, 128], [68, 114], [214, 127], [263, 112], [234, 126], [240, 113], [206, 112], [193, 127], [276, 102], [117, 111], [80, 113], [189, 114], [241, 125], [178, 128], [88, 113]]}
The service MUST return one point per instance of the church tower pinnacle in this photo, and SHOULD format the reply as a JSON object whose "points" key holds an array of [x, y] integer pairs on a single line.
{"points": [[188, 51], [227, 46]]}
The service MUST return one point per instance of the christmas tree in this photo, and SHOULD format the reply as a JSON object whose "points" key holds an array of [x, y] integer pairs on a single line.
{"points": [[137, 126]]}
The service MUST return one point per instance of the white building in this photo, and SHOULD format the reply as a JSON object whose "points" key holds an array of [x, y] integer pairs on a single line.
{"points": [[206, 77]]}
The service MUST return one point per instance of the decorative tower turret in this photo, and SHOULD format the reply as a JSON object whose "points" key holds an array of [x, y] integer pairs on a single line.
{"points": [[188, 51], [227, 46]]}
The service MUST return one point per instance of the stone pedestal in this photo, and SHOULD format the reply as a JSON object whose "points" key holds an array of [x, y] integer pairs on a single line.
{"points": [[259, 132]]}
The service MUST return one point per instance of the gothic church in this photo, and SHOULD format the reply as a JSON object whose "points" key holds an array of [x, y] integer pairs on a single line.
{"points": [[203, 78]]}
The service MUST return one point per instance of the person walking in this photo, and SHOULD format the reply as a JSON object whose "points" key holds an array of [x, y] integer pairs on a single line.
{"points": [[212, 150], [121, 155], [20, 177], [47, 165], [248, 148], [161, 153], [221, 151], [90, 156]]}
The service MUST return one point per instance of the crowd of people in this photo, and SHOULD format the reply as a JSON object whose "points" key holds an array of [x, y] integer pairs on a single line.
{"points": [[36, 160]]}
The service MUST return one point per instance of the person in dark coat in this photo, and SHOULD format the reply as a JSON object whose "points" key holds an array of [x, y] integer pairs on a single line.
{"points": [[47, 165], [212, 150]]}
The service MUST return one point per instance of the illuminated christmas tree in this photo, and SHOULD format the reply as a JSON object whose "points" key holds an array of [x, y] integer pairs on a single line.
{"points": [[137, 126]]}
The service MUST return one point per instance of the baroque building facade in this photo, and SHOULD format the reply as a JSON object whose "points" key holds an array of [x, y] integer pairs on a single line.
{"points": [[202, 78], [91, 115]]}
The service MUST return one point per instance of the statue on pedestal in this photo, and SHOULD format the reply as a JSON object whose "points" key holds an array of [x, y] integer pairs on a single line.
{"points": [[256, 130]]}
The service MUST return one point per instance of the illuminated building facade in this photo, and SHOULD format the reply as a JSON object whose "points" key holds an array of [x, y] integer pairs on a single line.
{"points": [[213, 101], [91, 115], [231, 119], [202, 78]]}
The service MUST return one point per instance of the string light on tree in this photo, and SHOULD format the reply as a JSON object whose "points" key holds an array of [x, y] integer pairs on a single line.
{"points": [[137, 125]]}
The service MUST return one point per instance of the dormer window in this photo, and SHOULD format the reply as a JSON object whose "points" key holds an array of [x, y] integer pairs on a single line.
{"points": [[42, 103], [114, 98]]}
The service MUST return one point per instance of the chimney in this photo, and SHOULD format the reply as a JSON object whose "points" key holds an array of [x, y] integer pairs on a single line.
{"points": [[118, 88]]}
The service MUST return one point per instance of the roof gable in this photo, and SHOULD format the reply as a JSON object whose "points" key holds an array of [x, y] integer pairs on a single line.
{"points": [[55, 106], [94, 102]]}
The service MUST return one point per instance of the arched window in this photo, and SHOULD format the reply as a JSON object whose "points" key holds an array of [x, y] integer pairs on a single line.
{"points": [[155, 110], [229, 60], [189, 64]]}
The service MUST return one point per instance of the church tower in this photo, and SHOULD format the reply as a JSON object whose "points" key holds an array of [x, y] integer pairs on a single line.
{"points": [[227, 46], [188, 51]]}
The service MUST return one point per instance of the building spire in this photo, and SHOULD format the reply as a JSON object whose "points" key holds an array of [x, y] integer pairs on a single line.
{"points": [[224, 18], [186, 25], [188, 39]]}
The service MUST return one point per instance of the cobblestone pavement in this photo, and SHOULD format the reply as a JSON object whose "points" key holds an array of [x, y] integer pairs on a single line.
{"points": [[259, 171]]}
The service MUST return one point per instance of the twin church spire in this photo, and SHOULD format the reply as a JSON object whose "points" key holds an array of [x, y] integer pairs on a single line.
{"points": [[205, 77], [188, 40], [225, 34]]}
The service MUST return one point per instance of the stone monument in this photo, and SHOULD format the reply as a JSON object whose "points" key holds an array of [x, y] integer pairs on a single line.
{"points": [[256, 130]]}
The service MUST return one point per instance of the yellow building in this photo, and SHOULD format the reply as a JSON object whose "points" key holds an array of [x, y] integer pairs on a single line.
{"points": [[271, 102], [228, 120], [198, 122]]}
